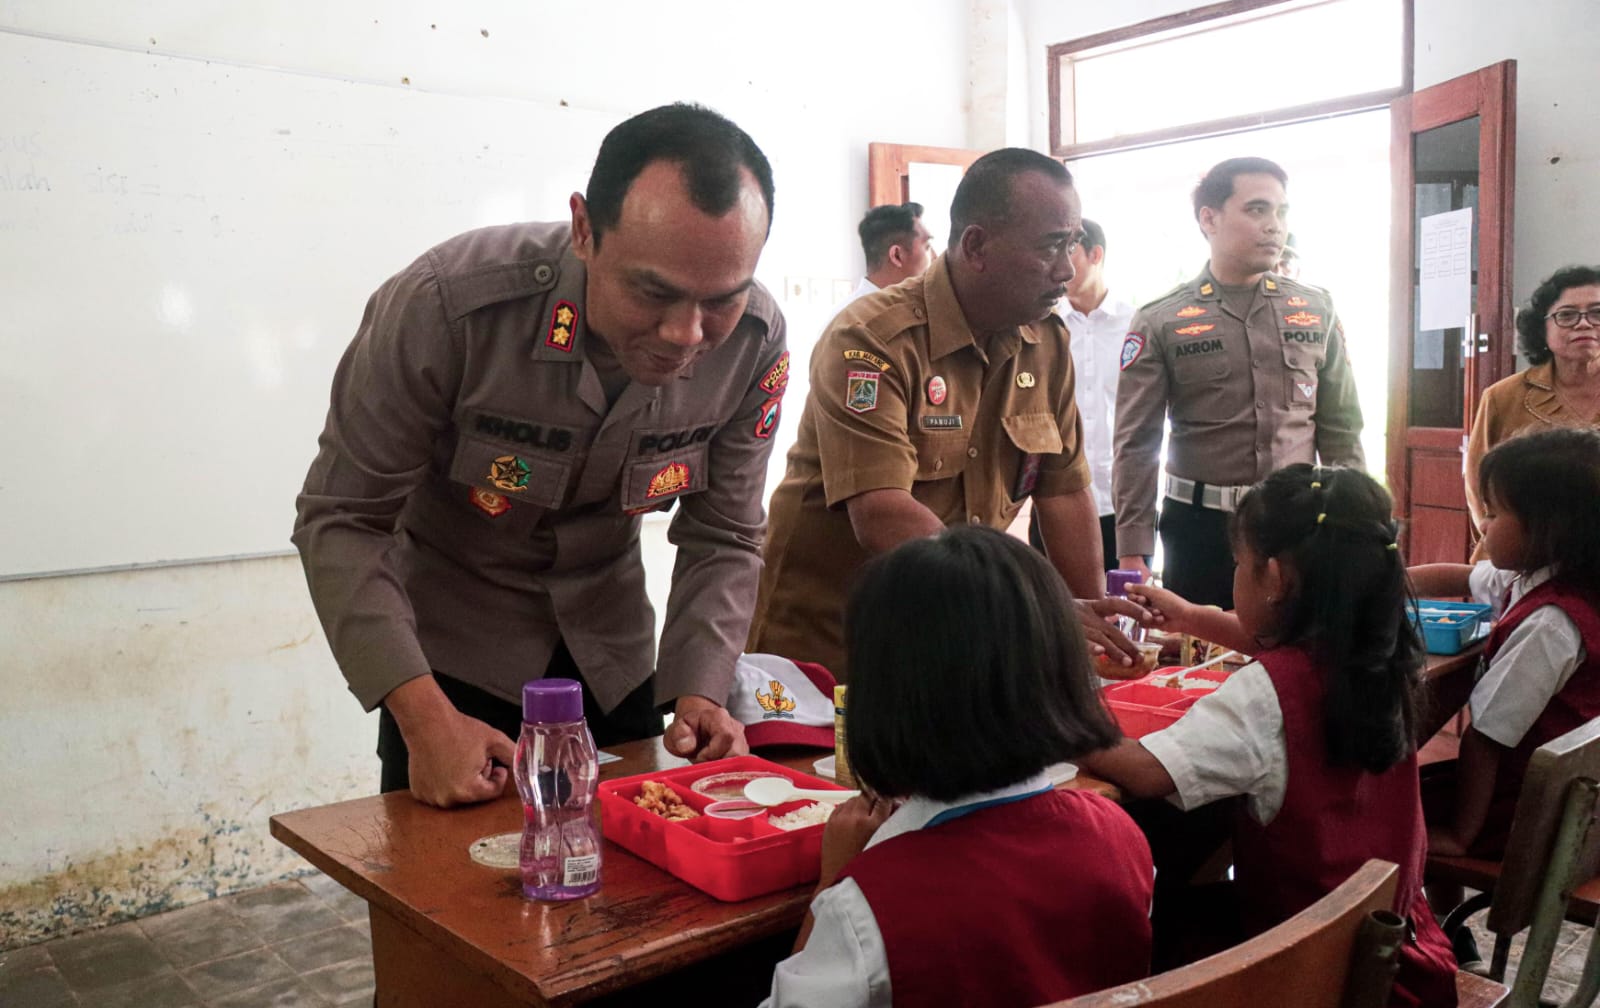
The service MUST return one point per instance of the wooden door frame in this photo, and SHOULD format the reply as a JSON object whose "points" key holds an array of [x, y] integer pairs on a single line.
{"points": [[889, 168], [1489, 94]]}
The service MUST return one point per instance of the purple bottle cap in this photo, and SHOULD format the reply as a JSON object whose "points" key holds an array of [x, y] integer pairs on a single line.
{"points": [[552, 701], [1117, 581]]}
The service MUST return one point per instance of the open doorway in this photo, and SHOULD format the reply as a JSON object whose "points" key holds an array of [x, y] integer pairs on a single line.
{"points": [[1339, 185]]}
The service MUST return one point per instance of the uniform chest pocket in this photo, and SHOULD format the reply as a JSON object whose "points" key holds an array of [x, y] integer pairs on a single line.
{"points": [[649, 483], [1300, 365], [1200, 360], [941, 454], [1035, 435], [509, 473]]}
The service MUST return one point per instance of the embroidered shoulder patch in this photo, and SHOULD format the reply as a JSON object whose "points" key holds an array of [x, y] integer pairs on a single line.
{"points": [[861, 391], [767, 419], [1132, 347], [777, 376], [867, 357]]}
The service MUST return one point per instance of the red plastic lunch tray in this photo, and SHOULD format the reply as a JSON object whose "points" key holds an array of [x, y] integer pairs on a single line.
{"points": [[731, 859], [1141, 707]]}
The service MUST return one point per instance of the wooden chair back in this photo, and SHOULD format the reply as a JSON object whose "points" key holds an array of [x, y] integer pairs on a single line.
{"points": [[1554, 769], [1305, 961]]}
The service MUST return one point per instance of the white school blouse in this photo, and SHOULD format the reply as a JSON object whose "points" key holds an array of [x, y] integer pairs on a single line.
{"points": [[1532, 664]]}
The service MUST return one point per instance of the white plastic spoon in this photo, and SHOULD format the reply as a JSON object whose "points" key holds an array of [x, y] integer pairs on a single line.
{"points": [[771, 791]]}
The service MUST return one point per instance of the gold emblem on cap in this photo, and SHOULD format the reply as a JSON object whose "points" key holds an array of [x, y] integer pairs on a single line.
{"points": [[1025, 379]]}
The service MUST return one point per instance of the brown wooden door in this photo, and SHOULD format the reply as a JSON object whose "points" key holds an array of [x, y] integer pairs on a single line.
{"points": [[889, 168], [1453, 147]]}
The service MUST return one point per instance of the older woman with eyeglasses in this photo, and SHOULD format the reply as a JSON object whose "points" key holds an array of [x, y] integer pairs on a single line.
{"points": [[1559, 333]]}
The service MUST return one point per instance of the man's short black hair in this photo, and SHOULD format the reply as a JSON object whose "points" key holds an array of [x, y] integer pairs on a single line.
{"points": [[1094, 236], [968, 670], [709, 148], [886, 226], [984, 194], [1530, 320], [1217, 184]]}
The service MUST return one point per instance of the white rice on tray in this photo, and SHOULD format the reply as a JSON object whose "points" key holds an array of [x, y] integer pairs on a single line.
{"points": [[805, 815]]}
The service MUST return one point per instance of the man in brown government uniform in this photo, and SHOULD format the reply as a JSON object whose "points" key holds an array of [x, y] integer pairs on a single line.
{"points": [[1251, 367], [512, 402], [947, 398]]}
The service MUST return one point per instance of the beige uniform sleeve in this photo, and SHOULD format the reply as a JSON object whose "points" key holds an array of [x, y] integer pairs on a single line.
{"points": [[1142, 392], [1478, 444], [861, 446], [392, 397], [1338, 416]]}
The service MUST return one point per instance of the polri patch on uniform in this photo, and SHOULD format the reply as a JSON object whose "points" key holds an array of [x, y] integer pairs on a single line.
{"points": [[489, 502], [767, 419], [1302, 318], [1296, 302], [1305, 391], [510, 473], [943, 422], [1025, 379], [1190, 311], [861, 391], [1027, 476], [563, 320], [937, 390], [868, 357], [777, 377], [673, 478], [1132, 347], [1196, 329]]}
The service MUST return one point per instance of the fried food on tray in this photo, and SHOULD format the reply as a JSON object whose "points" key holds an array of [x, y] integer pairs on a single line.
{"points": [[656, 797]]}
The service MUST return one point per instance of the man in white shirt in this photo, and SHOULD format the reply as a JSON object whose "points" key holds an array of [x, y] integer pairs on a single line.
{"points": [[1098, 324], [895, 243]]}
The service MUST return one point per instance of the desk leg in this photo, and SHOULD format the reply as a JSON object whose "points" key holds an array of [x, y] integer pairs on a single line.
{"points": [[412, 972]]}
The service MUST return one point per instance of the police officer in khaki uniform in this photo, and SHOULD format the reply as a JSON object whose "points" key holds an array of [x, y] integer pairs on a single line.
{"points": [[1253, 372], [945, 399], [513, 401]]}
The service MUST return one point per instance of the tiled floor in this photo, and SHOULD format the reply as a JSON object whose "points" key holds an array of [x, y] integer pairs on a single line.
{"points": [[305, 944], [1565, 968], [301, 944]]}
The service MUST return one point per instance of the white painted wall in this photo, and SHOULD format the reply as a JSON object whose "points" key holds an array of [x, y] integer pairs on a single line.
{"points": [[154, 719]]}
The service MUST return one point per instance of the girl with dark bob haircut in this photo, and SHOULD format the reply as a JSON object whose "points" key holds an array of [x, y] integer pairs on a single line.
{"points": [[970, 638], [1531, 330], [1316, 733], [959, 877], [1541, 677]]}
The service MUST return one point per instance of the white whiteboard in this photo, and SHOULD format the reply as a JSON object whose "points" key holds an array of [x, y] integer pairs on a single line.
{"points": [[185, 250]]}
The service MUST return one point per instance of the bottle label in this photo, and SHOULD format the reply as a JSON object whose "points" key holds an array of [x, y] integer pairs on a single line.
{"points": [[577, 871]]}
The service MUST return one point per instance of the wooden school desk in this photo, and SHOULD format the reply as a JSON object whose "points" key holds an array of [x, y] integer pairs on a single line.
{"points": [[448, 931]]}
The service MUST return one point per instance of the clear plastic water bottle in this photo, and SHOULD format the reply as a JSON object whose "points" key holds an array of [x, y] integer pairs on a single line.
{"points": [[557, 772]]}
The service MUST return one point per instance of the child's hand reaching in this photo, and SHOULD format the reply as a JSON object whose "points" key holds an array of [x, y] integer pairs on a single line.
{"points": [[847, 832], [1168, 609]]}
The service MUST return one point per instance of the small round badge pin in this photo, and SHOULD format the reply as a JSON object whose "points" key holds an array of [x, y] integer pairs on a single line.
{"points": [[936, 390]]}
